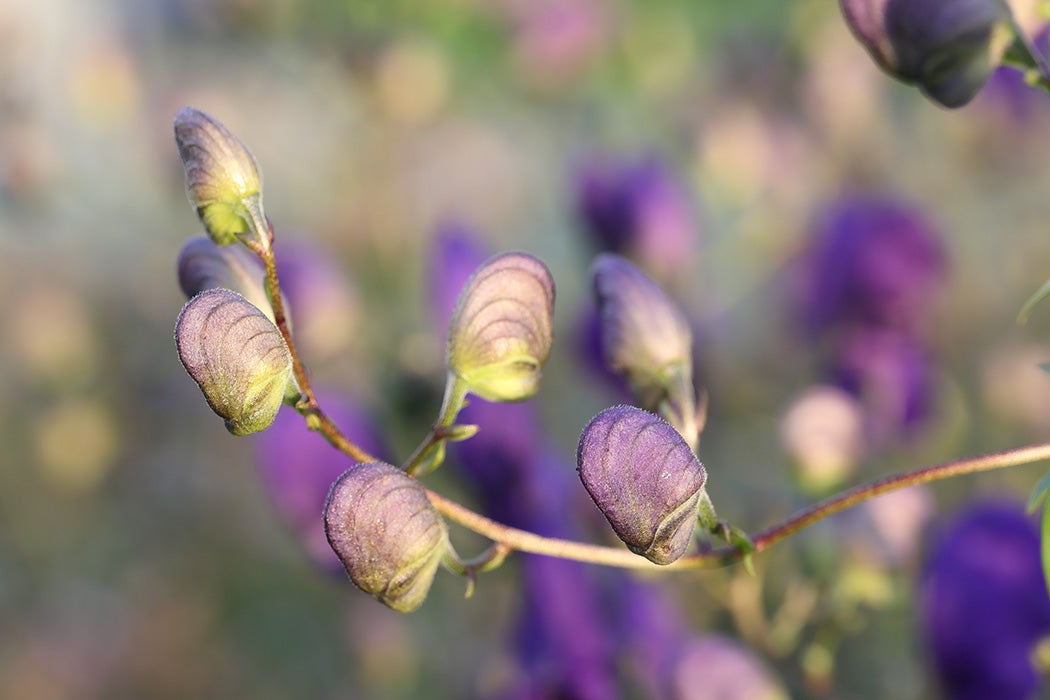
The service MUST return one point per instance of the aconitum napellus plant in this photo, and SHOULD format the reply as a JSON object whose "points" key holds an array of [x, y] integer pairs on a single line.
{"points": [[640, 481]]}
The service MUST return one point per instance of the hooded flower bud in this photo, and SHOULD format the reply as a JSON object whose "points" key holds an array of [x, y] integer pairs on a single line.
{"points": [[501, 329], [237, 357], [645, 337], [644, 478], [203, 265], [222, 178], [946, 47], [387, 534]]}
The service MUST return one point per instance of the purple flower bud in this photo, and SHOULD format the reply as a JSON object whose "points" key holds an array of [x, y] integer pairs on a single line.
{"points": [[222, 178], [644, 478], [203, 265], [387, 534], [237, 356], [502, 328], [984, 603], [946, 47], [644, 335]]}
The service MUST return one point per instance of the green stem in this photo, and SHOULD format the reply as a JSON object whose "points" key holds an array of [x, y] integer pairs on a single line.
{"points": [[423, 459]]}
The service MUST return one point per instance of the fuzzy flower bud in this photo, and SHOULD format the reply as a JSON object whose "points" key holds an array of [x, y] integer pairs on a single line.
{"points": [[645, 337], [222, 178], [203, 265], [644, 478], [387, 534], [948, 48], [502, 328], [237, 357]]}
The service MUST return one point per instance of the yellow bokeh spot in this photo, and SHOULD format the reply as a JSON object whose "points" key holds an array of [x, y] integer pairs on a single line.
{"points": [[75, 444], [412, 81], [52, 336], [105, 85]]}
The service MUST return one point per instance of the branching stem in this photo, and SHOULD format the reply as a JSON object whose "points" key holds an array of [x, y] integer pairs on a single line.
{"points": [[507, 539], [307, 406], [721, 556]]}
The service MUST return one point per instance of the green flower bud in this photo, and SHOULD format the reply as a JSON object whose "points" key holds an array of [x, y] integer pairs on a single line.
{"points": [[389, 537], [645, 337], [501, 329], [237, 356], [644, 478], [203, 265], [222, 178]]}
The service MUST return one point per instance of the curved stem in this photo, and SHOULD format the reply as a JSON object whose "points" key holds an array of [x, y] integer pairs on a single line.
{"points": [[847, 499], [524, 541], [507, 539], [308, 406]]}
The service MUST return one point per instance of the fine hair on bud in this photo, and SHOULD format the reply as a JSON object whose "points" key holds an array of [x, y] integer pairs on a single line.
{"points": [[389, 537], [237, 356], [223, 182], [644, 478], [502, 327]]}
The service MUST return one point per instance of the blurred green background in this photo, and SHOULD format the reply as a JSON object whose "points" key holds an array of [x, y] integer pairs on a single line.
{"points": [[139, 556]]}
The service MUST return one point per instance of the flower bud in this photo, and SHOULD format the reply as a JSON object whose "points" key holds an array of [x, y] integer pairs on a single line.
{"points": [[389, 537], [946, 47], [237, 357], [644, 478], [222, 178], [203, 265], [501, 329], [645, 337]]}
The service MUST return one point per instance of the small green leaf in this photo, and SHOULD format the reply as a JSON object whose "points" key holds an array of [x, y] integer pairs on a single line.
{"points": [[1038, 494], [459, 433], [1033, 301]]}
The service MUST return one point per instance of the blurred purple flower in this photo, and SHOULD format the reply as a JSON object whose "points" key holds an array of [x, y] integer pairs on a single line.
{"points": [[717, 668], [890, 375], [324, 302], [297, 468], [637, 210], [872, 260], [864, 288], [587, 339], [653, 632], [984, 603], [457, 251]]}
